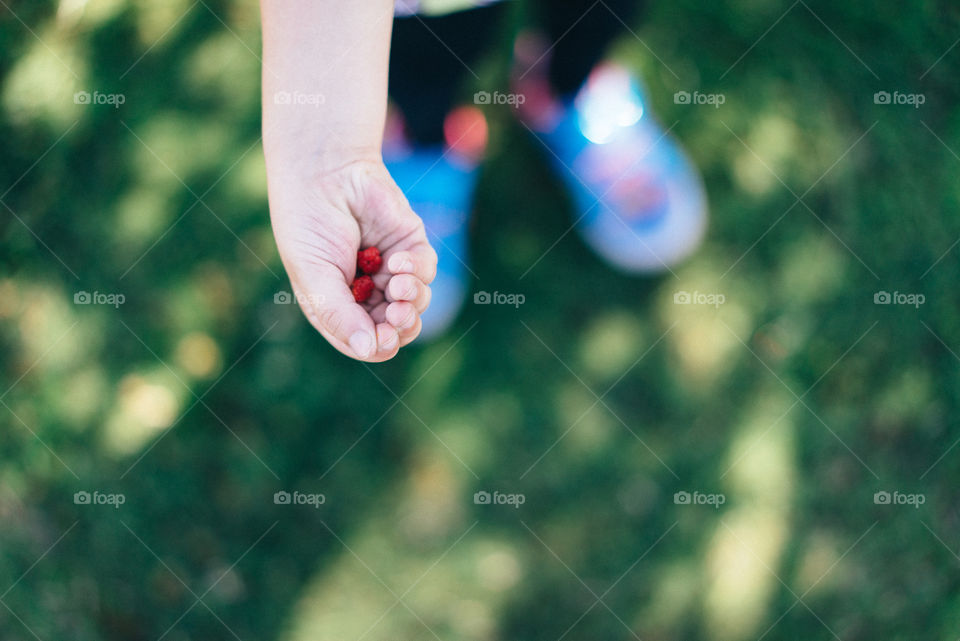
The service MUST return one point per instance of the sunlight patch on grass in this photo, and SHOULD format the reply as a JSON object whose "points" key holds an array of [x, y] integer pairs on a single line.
{"points": [[433, 498], [818, 564], [477, 430], [156, 20], [10, 300], [811, 269], [202, 302], [145, 405], [247, 181], [590, 424], [499, 569], [46, 338], [905, 401], [613, 341], [87, 13], [82, 396], [744, 554], [41, 85], [772, 142], [222, 68], [711, 317], [199, 355], [345, 601], [142, 214], [761, 457], [675, 596], [784, 336], [458, 589], [172, 147]]}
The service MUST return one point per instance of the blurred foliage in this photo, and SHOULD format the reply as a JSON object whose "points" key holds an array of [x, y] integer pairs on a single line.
{"points": [[198, 397]]}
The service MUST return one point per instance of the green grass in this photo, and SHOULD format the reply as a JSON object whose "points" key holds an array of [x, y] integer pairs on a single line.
{"points": [[797, 399]]}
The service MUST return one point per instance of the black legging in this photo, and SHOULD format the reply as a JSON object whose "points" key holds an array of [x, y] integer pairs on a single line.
{"points": [[429, 55]]}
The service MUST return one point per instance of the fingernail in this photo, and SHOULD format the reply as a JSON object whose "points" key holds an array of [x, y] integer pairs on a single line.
{"points": [[402, 265], [391, 339], [361, 344]]}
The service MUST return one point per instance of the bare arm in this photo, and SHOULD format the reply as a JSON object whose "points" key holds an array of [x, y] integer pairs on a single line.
{"points": [[324, 105], [338, 52]]}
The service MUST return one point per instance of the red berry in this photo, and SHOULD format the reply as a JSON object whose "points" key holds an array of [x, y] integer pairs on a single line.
{"points": [[362, 288], [369, 260]]}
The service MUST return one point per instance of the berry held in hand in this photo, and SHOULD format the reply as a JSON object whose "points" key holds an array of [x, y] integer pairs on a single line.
{"points": [[369, 260], [362, 288]]}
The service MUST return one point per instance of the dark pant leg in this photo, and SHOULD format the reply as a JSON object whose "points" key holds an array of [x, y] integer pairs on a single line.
{"points": [[430, 58], [582, 31]]}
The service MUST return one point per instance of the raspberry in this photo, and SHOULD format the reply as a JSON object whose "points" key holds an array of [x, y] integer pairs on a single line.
{"points": [[369, 260], [362, 288]]}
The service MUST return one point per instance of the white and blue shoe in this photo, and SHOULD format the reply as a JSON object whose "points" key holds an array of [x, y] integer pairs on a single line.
{"points": [[641, 203]]}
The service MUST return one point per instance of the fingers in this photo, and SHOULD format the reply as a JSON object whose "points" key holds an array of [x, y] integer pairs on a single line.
{"points": [[328, 303], [419, 260], [406, 319], [388, 340], [406, 287], [407, 291]]}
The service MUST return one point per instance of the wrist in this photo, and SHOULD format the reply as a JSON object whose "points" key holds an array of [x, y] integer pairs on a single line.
{"points": [[316, 157]]}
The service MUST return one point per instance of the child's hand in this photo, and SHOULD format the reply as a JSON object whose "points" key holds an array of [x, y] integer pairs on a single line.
{"points": [[320, 222]]}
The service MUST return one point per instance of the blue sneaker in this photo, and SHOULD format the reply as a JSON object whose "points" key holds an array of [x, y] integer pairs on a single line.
{"points": [[439, 183], [641, 202]]}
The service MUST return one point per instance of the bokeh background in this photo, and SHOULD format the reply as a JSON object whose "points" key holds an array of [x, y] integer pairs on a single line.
{"points": [[199, 397]]}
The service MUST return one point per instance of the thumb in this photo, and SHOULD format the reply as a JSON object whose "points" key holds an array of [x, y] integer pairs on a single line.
{"points": [[328, 303]]}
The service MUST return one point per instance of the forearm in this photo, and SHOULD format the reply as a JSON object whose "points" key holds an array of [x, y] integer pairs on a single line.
{"points": [[324, 79]]}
